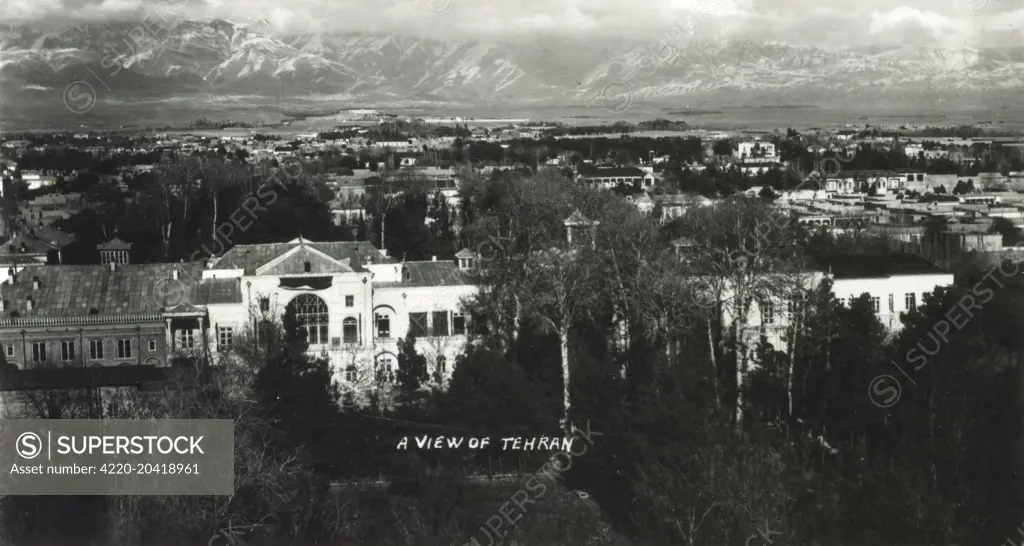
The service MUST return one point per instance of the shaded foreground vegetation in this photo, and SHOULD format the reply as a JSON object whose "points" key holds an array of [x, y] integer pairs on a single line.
{"points": [[708, 435]]}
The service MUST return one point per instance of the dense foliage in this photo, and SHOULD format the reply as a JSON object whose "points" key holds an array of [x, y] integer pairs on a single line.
{"points": [[704, 433]]}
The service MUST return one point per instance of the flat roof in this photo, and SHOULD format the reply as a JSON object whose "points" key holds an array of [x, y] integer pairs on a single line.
{"points": [[873, 266]]}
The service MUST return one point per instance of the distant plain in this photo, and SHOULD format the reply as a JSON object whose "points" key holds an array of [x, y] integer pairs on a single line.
{"points": [[48, 113]]}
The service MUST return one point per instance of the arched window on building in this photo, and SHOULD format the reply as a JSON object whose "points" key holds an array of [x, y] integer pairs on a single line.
{"points": [[441, 369], [385, 372], [311, 315]]}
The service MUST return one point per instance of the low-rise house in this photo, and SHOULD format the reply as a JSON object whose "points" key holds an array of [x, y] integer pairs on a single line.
{"points": [[610, 177], [894, 283], [755, 150], [642, 202], [34, 180], [862, 181], [353, 303]]}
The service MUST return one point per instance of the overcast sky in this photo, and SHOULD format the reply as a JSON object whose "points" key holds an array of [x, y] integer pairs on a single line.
{"points": [[828, 23]]}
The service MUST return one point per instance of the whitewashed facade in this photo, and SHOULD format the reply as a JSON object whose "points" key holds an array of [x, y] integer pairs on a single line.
{"points": [[895, 284], [354, 303]]}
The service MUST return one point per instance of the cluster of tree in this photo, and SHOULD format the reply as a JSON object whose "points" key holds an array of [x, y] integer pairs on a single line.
{"points": [[411, 219], [672, 382], [67, 159], [194, 207], [206, 123], [960, 131], [709, 433], [619, 127]]}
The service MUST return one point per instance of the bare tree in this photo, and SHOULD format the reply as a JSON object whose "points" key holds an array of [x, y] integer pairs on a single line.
{"points": [[389, 193], [561, 284], [269, 484], [742, 246]]}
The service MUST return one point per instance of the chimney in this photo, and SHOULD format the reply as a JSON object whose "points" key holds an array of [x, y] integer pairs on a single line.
{"points": [[35, 283], [433, 258]]}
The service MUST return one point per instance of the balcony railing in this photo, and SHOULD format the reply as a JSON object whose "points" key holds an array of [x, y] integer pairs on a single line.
{"points": [[85, 319]]}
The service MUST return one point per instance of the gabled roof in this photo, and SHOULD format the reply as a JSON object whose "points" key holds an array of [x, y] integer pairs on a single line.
{"points": [[294, 262], [578, 219], [249, 258], [115, 244], [465, 253], [75, 290]]}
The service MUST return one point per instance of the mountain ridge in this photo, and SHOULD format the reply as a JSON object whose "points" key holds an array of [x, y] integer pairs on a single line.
{"points": [[221, 57]]}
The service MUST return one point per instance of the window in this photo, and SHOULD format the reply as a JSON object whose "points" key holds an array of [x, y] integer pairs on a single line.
{"points": [[311, 314], [95, 349], [350, 330], [439, 323], [186, 339], [458, 324], [264, 304], [225, 338], [38, 351], [10, 350], [794, 307], [876, 304], [124, 348], [67, 351], [442, 365], [385, 369], [350, 374], [910, 301], [383, 326], [152, 345], [767, 312], [418, 324], [350, 301], [265, 331]]}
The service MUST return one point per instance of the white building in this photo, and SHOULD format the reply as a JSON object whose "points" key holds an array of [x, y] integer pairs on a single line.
{"points": [[610, 177], [35, 181], [755, 150], [895, 284], [860, 181], [354, 303]]}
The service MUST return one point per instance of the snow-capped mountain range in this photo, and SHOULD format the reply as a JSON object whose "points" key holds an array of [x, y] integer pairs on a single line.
{"points": [[224, 57]]}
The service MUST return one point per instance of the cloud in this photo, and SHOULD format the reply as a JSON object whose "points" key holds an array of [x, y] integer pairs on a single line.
{"points": [[827, 23]]}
